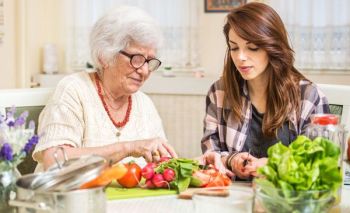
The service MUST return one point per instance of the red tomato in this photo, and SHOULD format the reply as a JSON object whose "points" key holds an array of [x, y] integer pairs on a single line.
{"points": [[219, 179], [132, 176]]}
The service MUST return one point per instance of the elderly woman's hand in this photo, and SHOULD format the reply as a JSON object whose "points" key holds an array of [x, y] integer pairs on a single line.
{"points": [[151, 149]]}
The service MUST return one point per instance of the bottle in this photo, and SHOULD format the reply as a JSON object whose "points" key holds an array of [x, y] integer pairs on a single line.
{"points": [[328, 126], [50, 58]]}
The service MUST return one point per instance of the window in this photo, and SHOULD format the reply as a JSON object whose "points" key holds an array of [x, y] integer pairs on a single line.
{"points": [[177, 18], [319, 31]]}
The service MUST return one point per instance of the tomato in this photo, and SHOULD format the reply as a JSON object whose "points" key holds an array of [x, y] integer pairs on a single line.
{"points": [[200, 179], [132, 176], [219, 180]]}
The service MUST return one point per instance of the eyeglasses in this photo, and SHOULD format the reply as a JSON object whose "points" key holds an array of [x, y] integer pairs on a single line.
{"points": [[138, 60]]}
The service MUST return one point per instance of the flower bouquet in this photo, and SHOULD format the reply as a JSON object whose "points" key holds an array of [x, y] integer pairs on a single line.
{"points": [[16, 142]]}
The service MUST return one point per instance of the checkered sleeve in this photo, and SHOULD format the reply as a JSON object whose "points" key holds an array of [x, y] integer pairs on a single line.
{"points": [[211, 137]]}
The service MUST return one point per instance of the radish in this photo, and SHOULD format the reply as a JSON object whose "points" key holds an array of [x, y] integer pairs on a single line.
{"points": [[164, 159], [149, 184], [158, 181], [147, 172], [169, 174], [152, 165]]}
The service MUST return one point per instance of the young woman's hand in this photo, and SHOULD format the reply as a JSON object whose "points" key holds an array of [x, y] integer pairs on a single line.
{"points": [[214, 158], [254, 164], [237, 165]]}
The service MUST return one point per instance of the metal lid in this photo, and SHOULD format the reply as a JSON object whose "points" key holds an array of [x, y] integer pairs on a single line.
{"points": [[325, 119], [70, 174]]}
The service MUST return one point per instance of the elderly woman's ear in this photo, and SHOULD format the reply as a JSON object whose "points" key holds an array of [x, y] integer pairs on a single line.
{"points": [[103, 63]]}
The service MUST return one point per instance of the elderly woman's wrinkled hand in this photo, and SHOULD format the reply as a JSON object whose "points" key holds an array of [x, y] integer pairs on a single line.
{"points": [[152, 149]]}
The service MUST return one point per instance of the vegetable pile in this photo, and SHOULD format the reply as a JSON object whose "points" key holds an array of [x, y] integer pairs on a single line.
{"points": [[303, 175], [180, 173]]}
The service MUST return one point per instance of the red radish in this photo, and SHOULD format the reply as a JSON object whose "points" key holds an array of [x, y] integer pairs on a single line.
{"points": [[158, 181], [149, 184], [169, 174], [152, 165], [147, 172], [164, 159]]}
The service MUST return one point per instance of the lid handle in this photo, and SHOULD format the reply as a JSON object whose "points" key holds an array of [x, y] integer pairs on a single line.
{"points": [[65, 157]]}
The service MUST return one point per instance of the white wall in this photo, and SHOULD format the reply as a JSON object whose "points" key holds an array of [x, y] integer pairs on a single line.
{"points": [[8, 47], [29, 24], [212, 43]]}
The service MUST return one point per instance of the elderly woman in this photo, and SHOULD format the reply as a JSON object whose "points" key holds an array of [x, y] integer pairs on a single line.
{"points": [[261, 99], [103, 112]]}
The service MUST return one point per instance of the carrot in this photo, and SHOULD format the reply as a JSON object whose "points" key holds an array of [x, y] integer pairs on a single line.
{"points": [[115, 172]]}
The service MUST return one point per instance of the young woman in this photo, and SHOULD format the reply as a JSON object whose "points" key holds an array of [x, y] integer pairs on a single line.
{"points": [[261, 98]]}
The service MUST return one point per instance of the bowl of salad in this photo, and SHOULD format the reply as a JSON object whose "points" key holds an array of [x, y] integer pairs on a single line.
{"points": [[272, 199], [303, 177]]}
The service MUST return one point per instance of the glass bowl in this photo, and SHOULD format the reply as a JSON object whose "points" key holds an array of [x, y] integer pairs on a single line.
{"points": [[271, 199], [223, 200]]}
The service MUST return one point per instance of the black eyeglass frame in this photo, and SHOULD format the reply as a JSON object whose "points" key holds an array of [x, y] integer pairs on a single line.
{"points": [[131, 56]]}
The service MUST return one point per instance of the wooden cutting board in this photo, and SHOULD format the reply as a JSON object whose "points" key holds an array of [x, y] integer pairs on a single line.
{"points": [[188, 193], [115, 192]]}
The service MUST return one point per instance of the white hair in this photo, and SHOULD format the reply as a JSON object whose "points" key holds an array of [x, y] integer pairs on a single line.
{"points": [[115, 30]]}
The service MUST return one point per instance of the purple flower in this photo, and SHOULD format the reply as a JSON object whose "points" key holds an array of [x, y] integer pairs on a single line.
{"points": [[6, 152], [31, 143], [21, 119], [31, 124], [11, 123]]}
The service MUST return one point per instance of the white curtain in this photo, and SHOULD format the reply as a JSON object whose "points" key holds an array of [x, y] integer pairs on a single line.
{"points": [[319, 31], [177, 18]]}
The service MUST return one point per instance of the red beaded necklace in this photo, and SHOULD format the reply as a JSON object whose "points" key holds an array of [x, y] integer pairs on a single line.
{"points": [[127, 115]]}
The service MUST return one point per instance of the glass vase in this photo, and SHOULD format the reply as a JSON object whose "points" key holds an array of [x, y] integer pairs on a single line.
{"points": [[7, 188]]}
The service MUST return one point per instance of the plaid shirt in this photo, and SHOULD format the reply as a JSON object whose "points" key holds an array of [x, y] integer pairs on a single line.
{"points": [[228, 136]]}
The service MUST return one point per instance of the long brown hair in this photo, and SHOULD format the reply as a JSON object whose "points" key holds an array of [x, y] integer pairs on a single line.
{"points": [[261, 25]]}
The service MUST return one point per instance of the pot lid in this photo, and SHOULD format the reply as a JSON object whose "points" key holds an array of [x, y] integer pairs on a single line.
{"points": [[71, 174]]}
